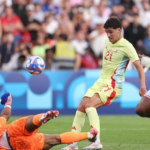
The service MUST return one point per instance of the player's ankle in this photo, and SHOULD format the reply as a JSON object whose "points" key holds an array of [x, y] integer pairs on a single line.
{"points": [[98, 140], [90, 136]]}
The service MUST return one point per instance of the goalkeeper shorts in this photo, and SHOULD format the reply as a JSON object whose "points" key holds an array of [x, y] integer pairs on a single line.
{"points": [[21, 139]]}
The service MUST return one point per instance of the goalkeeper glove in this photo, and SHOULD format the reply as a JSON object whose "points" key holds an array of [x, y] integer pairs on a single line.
{"points": [[6, 99]]}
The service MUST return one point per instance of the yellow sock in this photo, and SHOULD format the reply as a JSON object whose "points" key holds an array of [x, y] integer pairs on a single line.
{"points": [[93, 118], [78, 122], [70, 137]]}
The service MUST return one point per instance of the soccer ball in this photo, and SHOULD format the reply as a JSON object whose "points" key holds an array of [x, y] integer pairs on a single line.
{"points": [[35, 65]]}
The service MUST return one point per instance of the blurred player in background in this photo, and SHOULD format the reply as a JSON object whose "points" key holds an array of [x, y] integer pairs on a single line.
{"points": [[21, 134], [143, 107], [116, 56]]}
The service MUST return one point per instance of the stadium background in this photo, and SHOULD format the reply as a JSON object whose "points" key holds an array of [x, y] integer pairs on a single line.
{"points": [[33, 94], [30, 27], [33, 27]]}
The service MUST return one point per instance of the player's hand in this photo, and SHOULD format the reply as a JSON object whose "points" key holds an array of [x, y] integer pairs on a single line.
{"points": [[6, 98], [142, 91]]}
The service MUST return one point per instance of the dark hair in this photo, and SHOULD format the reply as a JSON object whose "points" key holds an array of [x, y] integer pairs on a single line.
{"points": [[49, 50], [112, 22], [26, 48], [135, 15], [63, 37]]}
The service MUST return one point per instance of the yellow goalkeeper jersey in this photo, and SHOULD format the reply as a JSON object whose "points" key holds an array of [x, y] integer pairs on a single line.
{"points": [[115, 61]]}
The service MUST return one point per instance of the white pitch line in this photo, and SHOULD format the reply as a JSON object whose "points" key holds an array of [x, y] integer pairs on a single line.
{"points": [[103, 129], [136, 129]]}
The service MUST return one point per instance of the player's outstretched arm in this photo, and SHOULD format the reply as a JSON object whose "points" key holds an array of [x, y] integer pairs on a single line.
{"points": [[6, 100], [141, 73]]}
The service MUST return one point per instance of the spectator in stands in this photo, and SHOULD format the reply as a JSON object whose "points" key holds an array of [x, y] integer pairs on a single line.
{"points": [[118, 11], [89, 11], [0, 32], [103, 13], [114, 2], [7, 50], [78, 18], [50, 7], [4, 3], [125, 23], [80, 43], [12, 23], [18, 60], [65, 25], [38, 1], [76, 2], [48, 19], [144, 9], [38, 13], [127, 4], [50, 25], [30, 23], [97, 39], [65, 6], [19, 8], [86, 28], [40, 47], [129, 15], [49, 62], [135, 33], [88, 61], [65, 56], [26, 38], [146, 41]]}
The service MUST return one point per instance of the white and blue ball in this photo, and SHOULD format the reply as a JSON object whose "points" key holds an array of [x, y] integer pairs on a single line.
{"points": [[35, 65]]}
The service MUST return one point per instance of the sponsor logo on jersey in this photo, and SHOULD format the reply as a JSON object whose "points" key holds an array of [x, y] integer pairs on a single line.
{"points": [[116, 50]]}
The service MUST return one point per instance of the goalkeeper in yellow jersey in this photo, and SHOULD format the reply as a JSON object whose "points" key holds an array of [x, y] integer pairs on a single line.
{"points": [[116, 56]]}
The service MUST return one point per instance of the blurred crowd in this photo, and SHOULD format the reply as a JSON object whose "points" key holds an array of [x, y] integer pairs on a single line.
{"points": [[67, 34]]}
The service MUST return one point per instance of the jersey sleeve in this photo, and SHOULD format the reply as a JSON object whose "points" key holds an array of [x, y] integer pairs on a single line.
{"points": [[2, 121], [131, 53], [2, 125]]}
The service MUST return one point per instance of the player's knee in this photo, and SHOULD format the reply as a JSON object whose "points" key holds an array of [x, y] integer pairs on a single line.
{"points": [[140, 111], [81, 108], [87, 105], [51, 140]]}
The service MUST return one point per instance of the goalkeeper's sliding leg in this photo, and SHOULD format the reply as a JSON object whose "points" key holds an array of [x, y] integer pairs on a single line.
{"points": [[22, 133]]}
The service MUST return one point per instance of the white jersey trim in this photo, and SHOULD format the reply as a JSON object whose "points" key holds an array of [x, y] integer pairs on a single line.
{"points": [[4, 142]]}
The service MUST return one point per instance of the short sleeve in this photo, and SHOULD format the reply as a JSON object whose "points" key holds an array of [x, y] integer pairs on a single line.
{"points": [[131, 53], [2, 122], [2, 125]]}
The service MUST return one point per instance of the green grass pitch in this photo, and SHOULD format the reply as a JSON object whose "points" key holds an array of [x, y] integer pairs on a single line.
{"points": [[117, 132]]}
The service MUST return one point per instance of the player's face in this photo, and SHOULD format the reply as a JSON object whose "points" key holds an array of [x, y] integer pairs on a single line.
{"points": [[113, 34]]}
